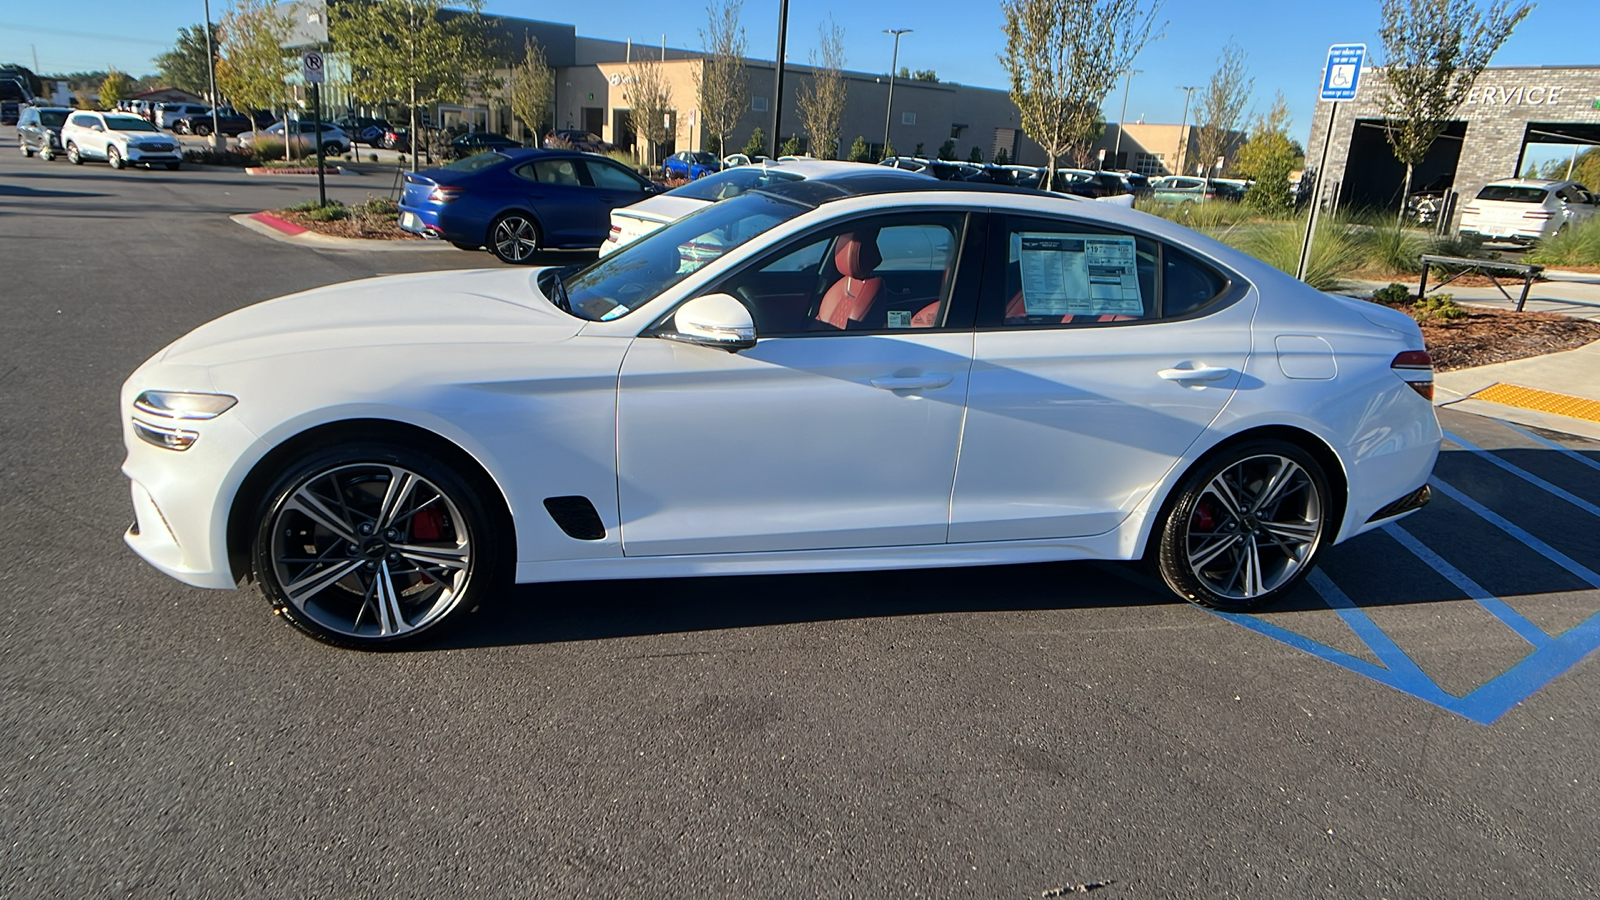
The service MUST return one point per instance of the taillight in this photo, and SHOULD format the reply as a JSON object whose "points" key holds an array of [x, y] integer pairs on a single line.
{"points": [[1538, 214], [1416, 368], [615, 235], [444, 194]]}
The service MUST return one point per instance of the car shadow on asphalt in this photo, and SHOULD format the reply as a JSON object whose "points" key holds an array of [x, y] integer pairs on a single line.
{"points": [[596, 610], [17, 190]]}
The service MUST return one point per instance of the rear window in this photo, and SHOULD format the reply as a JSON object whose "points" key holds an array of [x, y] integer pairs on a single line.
{"points": [[477, 162], [52, 118], [1511, 193]]}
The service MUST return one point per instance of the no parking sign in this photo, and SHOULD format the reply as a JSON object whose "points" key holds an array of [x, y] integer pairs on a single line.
{"points": [[311, 66]]}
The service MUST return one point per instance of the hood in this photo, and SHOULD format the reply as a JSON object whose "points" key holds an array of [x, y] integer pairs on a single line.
{"points": [[486, 306]]}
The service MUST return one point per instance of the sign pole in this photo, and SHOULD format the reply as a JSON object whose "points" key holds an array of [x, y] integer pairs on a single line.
{"points": [[316, 117], [1316, 197], [1341, 77]]}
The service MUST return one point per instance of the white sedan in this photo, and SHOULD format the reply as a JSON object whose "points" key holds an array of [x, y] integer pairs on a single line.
{"points": [[817, 376], [629, 223]]}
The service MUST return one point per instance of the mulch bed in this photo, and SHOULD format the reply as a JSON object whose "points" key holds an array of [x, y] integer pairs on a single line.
{"points": [[1487, 336], [362, 227]]}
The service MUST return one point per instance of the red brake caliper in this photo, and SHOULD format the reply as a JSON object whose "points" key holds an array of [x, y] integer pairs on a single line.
{"points": [[428, 524]]}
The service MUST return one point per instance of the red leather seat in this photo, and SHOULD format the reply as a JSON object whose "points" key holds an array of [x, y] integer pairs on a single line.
{"points": [[851, 297]]}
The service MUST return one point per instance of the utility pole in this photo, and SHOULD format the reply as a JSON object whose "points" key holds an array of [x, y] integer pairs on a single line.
{"points": [[1183, 132], [1122, 118], [777, 91], [217, 140], [894, 63]]}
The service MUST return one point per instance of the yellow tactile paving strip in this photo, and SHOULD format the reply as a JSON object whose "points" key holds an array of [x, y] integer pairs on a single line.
{"points": [[1542, 401]]}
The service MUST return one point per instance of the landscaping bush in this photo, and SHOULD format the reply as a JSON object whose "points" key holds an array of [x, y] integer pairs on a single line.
{"points": [[268, 149], [1578, 245], [1439, 306], [1333, 254], [229, 157], [1393, 295], [1387, 247]]}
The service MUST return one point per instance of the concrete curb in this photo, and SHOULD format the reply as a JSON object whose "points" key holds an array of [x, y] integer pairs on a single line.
{"points": [[1572, 372], [289, 233], [270, 170]]}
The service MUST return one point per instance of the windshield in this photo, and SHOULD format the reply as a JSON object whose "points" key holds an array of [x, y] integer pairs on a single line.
{"points": [[476, 162], [128, 123], [641, 271], [52, 118], [732, 183], [1512, 193]]}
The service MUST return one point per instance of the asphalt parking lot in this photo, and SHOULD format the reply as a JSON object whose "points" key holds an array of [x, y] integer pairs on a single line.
{"points": [[1419, 720]]}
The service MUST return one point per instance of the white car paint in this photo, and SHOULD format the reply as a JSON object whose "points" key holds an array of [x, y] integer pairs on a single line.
{"points": [[94, 135], [802, 454], [1525, 210], [629, 223]]}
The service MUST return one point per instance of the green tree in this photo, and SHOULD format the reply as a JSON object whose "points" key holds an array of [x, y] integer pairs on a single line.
{"points": [[251, 63], [1267, 158], [860, 150], [184, 66], [756, 146], [976, 155], [1002, 157], [407, 51], [722, 85], [1063, 57], [791, 147], [947, 150], [822, 100], [531, 88], [1222, 104], [650, 98], [116, 86], [1434, 51]]}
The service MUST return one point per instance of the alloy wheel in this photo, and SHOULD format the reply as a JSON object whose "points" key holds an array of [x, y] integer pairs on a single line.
{"points": [[515, 239], [369, 551], [1254, 526]]}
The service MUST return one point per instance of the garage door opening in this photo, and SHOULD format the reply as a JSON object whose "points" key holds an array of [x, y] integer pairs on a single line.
{"points": [[1374, 179]]}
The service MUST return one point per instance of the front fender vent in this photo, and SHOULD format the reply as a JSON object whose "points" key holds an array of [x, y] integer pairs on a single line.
{"points": [[577, 517]]}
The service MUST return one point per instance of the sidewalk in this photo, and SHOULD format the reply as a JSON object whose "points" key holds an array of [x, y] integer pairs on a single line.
{"points": [[1574, 294], [1559, 391]]}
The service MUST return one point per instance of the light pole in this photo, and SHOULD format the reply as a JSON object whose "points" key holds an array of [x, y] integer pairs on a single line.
{"points": [[888, 112], [1183, 131], [217, 141], [777, 88], [1116, 152]]}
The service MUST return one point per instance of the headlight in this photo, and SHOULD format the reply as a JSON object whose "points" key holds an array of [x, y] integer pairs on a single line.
{"points": [[183, 405]]}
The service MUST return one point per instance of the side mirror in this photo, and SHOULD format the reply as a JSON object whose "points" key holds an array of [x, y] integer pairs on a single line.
{"points": [[715, 320]]}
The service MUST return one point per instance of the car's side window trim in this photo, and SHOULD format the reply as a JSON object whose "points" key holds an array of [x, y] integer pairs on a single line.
{"points": [[967, 283], [992, 312]]}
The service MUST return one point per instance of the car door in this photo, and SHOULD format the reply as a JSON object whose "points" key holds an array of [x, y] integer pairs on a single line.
{"points": [[1100, 358], [817, 437], [611, 187], [554, 191]]}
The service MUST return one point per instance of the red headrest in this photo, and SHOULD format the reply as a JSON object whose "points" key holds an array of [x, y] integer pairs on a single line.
{"points": [[855, 256]]}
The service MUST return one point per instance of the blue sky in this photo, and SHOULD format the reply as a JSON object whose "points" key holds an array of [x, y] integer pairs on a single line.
{"points": [[1286, 42]]}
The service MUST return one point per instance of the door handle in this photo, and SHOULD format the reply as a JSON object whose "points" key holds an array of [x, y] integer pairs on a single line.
{"points": [[912, 382], [1198, 373]]}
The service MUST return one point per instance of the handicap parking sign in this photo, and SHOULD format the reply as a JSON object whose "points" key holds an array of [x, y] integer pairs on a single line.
{"points": [[1342, 75]]}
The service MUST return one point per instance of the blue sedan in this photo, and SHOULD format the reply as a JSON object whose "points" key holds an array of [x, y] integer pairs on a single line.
{"points": [[690, 164], [518, 202]]}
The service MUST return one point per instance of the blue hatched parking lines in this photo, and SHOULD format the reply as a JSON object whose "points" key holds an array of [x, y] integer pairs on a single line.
{"points": [[1549, 654]]}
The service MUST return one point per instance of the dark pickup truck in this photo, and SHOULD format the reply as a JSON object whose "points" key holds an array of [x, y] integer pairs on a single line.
{"points": [[230, 122]]}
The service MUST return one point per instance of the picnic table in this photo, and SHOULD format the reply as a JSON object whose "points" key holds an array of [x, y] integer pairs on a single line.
{"points": [[1463, 265]]}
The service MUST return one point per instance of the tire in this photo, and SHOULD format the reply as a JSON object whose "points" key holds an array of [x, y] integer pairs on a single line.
{"points": [[202, 130], [114, 158], [332, 149], [27, 152], [417, 545], [1247, 527], [73, 156], [181, 128], [46, 154], [514, 238]]}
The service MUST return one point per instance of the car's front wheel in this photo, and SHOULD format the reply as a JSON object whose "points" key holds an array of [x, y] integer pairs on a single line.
{"points": [[514, 238], [374, 546], [1247, 526], [73, 156], [114, 158]]}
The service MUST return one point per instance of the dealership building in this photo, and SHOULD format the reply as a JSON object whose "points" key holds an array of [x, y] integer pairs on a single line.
{"points": [[1508, 110]]}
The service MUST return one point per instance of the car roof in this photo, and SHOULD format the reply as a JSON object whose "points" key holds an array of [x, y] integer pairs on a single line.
{"points": [[834, 168], [814, 192], [1529, 182]]}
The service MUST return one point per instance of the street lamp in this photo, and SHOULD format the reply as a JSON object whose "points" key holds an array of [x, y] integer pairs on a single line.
{"points": [[1116, 152], [217, 141], [894, 63], [1183, 131]]}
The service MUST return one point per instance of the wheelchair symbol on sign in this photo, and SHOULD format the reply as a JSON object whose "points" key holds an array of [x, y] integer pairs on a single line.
{"points": [[1342, 76]]}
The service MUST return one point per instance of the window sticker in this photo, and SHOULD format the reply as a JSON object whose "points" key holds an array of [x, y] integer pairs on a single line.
{"points": [[900, 318], [1078, 274]]}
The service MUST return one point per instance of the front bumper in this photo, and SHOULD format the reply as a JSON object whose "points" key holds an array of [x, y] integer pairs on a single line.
{"points": [[143, 156]]}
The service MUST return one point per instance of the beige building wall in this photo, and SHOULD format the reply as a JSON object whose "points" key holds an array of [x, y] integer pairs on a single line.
{"points": [[1155, 149]]}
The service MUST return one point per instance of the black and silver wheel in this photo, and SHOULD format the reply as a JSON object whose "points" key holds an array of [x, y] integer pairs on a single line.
{"points": [[27, 152], [181, 127], [73, 156], [114, 158], [374, 546], [1247, 526], [514, 238]]}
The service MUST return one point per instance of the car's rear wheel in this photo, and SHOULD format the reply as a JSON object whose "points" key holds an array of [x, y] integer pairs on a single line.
{"points": [[1247, 526], [374, 545], [181, 128], [73, 156], [114, 158], [332, 149], [514, 238], [27, 152]]}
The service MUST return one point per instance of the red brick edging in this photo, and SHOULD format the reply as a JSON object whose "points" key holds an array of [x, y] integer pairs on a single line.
{"points": [[277, 224]]}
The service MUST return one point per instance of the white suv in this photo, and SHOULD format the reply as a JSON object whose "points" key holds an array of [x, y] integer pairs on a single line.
{"points": [[168, 114], [119, 139], [1522, 210]]}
